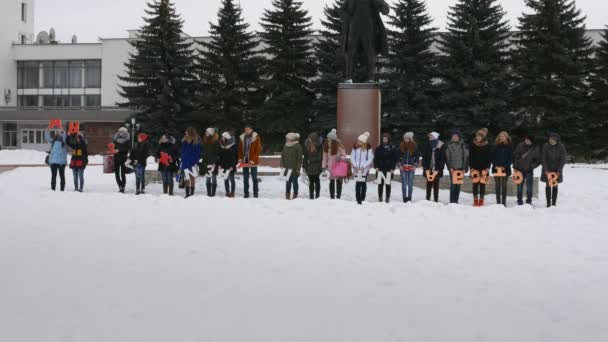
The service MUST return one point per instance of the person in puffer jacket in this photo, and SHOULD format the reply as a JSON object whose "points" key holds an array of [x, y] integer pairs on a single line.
{"points": [[480, 161], [433, 160], [333, 153], [385, 161], [526, 158], [553, 158], [313, 164], [362, 159], [502, 157], [80, 159], [210, 151], [167, 158], [58, 157], [408, 162], [228, 162], [139, 158], [122, 146], [291, 159], [456, 159], [190, 156]]}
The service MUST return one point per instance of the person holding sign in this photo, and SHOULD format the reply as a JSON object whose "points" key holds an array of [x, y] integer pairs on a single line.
{"points": [[408, 162], [433, 163], [210, 151], [526, 158], [334, 154], [291, 162], [58, 157], [502, 158], [313, 164], [228, 159], [122, 146], [167, 158], [139, 157], [362, 159], [191, 154], [480, 162], [457, 161], [250, 149], [80, 159], [553, 159], [385, 161]]}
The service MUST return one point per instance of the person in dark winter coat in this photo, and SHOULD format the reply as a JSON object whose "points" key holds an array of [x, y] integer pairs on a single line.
{"points": [[139, 157], [291, 159], [210, 151], [228, 160], [80, 159], [553, 158], [408, 162], [57, 158], [480, 160], [313, 164], [190, 155], [122, 145], [456, 159], [526, 158], [433, 160], [167, 158], [502, 157], [385, 161]]}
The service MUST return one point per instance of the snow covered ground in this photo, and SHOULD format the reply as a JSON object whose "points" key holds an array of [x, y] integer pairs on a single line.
{"points": [[101, 266]]}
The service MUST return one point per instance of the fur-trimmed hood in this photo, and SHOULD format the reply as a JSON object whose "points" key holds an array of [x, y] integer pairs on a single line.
{"points": [[254, 137]]}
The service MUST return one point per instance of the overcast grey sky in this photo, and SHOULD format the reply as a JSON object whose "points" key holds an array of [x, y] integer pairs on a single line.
{"points": [[89, 19]]}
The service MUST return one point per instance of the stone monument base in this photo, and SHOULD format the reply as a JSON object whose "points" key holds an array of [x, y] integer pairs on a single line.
{"points": [[359, 110]]}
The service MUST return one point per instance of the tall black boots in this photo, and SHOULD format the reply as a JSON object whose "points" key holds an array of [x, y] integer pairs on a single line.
{"points": [[189, 191], [551, 194], [211, 189]]}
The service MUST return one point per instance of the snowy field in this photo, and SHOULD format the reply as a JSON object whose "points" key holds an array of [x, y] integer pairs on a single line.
{"points": [[106, 267]]}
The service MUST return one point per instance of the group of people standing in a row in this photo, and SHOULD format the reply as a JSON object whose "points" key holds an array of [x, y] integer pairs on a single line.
{"points": [[317, 158]]}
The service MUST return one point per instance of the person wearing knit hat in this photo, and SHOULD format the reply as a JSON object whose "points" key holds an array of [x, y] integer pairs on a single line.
{"points": [[139, 157], [385, 162], [291, 161], [526, 158], [208, 166], [502, 159], [480, 161], [228, 160], [362, 159], [456, 159], [433, 160], [122, 145], [167, 157], [334, 154], [408, 162], [553, 158], [313, 164]]}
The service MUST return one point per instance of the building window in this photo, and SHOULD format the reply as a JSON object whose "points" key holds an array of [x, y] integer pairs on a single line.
{"points": [[56, 101], [93, 74], [47, 75], [60, 75], [9, 135], [24, 12], [93, 100], [27, 100], [76, 69], [75, 101], [33, 136], [23, 39], [28, 75]]}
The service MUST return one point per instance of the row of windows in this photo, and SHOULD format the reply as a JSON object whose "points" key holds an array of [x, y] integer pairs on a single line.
{"points": [[59, 74], [59, 100], [9, 135], [33, 136]]}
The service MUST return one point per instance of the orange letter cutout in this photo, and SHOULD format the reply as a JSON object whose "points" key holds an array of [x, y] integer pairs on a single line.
{"points": [[518, 177], [457, 177]]}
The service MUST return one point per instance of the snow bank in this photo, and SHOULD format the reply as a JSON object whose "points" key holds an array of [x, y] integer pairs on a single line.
{"points": [[101, 266], [30, 157]]}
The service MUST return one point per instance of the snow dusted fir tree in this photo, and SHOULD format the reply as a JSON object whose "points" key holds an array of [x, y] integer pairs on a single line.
{"points": [[599, 100], [330, 66], [159, 81], [287, 71], [552, 66], [229, 70], [409, 89], [475, 69]]}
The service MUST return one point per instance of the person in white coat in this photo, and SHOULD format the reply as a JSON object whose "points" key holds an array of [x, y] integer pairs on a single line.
{"points": [[362, 159]]}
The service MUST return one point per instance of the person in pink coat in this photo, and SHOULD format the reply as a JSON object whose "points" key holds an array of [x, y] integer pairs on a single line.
{"points": [[333, 152]]}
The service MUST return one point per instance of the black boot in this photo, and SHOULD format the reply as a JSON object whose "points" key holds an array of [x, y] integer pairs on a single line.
{"points": [[165, 188], [208, 185], [53, 186], [213, 189], [520, 198], [548, 195], [170, 189], [188, 192], [191, 191], [554, 197], [388, 194], [380, 192], [529, 200], [62, 186]]}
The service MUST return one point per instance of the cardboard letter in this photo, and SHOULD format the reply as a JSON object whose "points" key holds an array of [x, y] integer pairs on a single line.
{"points": [[285, 175], [457, 177], [74, 127], [485, 177], [500, 172], [360, 177], [54, 123], [552, 179], [518, 177], [380, 177], [475, 176]]}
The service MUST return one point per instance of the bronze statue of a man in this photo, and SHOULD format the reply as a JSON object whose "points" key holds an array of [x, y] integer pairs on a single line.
{"points": [[363, 31]]}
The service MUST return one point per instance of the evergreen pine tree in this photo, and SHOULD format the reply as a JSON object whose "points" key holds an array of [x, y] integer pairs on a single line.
{"points": [[552, 67], [288, 69], [159, 80], [599, 100], [475, 70], [409, 88], [229, 69]]}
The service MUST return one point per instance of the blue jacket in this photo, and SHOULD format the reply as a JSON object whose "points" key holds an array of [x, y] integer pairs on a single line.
{"points": [[59, 149], [191, 154], [502, 156]]}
